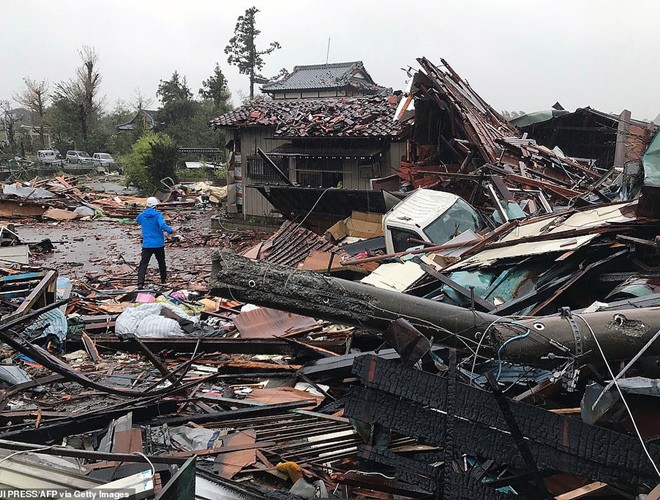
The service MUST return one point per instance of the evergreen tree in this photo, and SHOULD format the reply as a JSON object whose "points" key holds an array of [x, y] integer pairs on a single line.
{"points": [[242, 49], [215, 89]]}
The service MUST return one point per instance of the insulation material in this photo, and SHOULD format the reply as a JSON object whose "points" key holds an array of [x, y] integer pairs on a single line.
{"points": [[395, 276]]}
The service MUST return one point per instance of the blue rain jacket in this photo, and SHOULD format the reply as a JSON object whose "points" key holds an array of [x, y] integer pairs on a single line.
{"points": [[153, 225]]}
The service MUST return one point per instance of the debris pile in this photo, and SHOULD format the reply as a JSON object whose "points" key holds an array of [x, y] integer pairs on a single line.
{"points": [[492, 334]]}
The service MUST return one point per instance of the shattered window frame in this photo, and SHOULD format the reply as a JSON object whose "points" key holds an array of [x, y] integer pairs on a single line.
{"points": [[400, 236], [319, 172], [257, 169]]}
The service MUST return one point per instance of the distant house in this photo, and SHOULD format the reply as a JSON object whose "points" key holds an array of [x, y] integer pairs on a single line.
{"points": [[315, 81], [316, 143], [145, 118]]}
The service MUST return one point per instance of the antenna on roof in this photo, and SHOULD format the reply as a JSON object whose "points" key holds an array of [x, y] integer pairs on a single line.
{"points": [[327, 53]]}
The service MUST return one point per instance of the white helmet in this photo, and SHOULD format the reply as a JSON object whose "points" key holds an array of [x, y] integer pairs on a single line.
{"points": [[152, 201]]}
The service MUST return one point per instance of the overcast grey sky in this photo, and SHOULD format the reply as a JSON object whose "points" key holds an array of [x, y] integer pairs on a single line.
{"points": [[518, 54]]}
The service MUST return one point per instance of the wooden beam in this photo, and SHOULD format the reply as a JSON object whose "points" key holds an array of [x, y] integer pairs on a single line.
{"points": [[46, 285], [583, 491]]}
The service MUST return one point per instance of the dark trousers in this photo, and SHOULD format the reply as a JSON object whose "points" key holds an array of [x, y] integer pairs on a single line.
{"points": [[144, 262]]}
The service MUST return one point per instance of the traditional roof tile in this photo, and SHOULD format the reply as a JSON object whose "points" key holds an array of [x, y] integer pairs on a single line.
{"points": [[326, 76], [334, 117]]}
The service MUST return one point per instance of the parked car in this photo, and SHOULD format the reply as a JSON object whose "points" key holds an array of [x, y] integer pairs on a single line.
{"points": [[78, 157], [49, 157], [103, 160]]}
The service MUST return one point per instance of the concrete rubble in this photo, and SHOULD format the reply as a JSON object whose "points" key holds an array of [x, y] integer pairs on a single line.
{"points": [[508, 353]]}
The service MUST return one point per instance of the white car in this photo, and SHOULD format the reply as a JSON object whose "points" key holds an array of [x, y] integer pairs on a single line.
{"points": [[73, 156], [102, 160], [50, 157]]}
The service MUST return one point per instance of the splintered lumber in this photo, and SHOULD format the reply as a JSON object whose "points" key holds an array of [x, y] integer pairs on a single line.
{"points": [[621, 333], [414, 403]]}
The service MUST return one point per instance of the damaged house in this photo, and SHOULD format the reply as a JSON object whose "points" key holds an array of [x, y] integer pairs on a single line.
{"points": [[144, 119], [608, 139], [329, 141]]}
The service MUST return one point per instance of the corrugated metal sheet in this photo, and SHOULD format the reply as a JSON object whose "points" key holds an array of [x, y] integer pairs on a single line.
{"points": [[264, 322]]}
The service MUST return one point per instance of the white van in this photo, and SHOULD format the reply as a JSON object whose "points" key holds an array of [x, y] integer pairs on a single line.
{"points": [[49, 157], [432, 216]]}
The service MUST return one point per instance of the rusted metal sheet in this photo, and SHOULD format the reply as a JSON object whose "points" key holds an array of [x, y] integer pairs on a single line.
{"points": [[264, 322]]}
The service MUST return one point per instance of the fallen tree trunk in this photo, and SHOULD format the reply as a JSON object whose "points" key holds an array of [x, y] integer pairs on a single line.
{"points": [[620, 333], [341, 301]]}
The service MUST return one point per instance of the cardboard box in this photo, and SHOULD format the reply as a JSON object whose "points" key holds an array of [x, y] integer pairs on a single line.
{"points": [[358, 225]]}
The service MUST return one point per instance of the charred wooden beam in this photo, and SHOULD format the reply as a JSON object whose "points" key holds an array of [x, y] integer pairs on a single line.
{"points": [[428, 477], [428, 425], [213, 344], [407, 469], [555, 441]]}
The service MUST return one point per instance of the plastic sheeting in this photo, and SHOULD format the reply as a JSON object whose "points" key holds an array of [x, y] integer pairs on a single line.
{"points": [[651, 162], [147, 320], [197, 438], [52, 322]]}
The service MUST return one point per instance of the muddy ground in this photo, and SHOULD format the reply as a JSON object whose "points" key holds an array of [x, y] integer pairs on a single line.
{"points": [[109, 247]]}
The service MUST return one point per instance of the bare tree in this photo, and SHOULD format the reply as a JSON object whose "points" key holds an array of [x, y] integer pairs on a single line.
{"points": [[8, 119], [140, 101], [80, 93], [35, 98]]}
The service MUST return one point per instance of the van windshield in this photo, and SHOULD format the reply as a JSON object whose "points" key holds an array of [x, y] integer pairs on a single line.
{"points": [[457, 219]]}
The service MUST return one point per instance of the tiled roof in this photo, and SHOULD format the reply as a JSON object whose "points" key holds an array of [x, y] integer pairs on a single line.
{"points": [[324, 76], [292, 244], [335, 117], [149, 114]]}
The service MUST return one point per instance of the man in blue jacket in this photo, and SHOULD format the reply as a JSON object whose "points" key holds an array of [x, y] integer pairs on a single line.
{"points": [[153, 240]]}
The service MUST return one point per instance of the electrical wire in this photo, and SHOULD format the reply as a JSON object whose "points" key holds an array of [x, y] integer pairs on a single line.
{"points": [[369, 473], [476, 353], [153, 469], [507, 341], [616, 384]]}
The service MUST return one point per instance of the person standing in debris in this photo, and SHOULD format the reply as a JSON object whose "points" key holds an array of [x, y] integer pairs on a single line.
{"points": [[153, 240]]}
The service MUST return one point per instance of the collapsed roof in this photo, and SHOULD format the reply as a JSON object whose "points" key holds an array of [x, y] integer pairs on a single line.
{"points": [[336, 117]]}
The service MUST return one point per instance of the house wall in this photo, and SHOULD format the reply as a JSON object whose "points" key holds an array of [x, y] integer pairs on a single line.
{"points": [[351, 169], [252, 138], [255, 205], [393, 156]]}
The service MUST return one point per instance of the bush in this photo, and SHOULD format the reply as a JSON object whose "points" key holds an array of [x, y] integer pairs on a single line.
{"points": [[152, 158]]}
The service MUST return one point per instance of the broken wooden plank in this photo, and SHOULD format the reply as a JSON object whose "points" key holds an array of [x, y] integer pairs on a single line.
{"points": [[583, 491]]}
